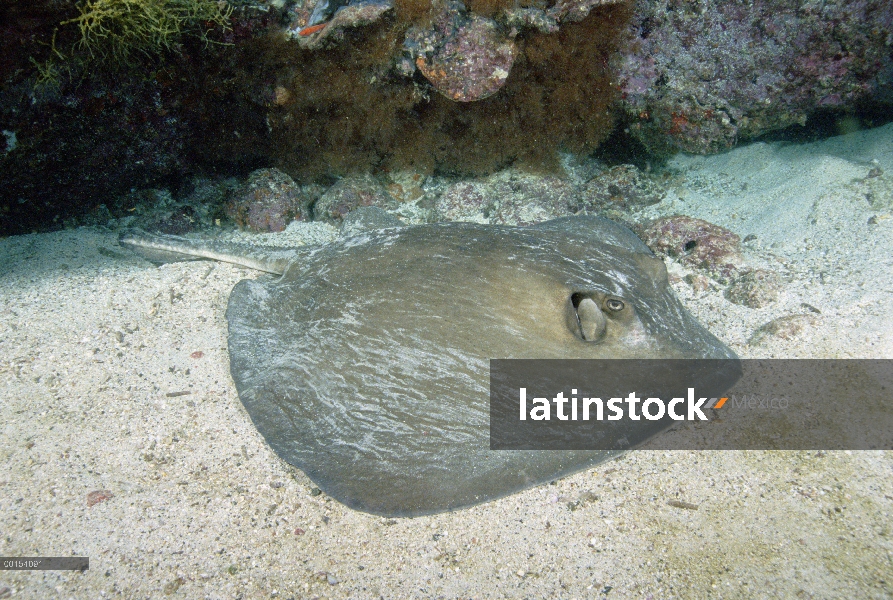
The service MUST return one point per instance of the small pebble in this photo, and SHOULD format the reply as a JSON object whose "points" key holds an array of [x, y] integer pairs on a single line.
{"points": [[680, 504], [97, 496], [173, 586], [698, 282], [786, 327], [756, 288]]}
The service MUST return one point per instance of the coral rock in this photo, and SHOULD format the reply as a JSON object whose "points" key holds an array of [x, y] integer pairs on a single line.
{"points": [[349, 194], [268, 201], [699, 76], [507, 198], [465, 59], [464, 201], [350, 16], [622, 187], [575, 10], [696, 243]]}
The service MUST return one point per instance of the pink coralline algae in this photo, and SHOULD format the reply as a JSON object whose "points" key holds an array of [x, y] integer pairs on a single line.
{"points": [[464, 201], [464, 58], [701, 76], [696, 243], [268, 201]]}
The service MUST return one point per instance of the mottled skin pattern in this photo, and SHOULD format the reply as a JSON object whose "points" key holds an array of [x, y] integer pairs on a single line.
{"points": [[366, 363]]}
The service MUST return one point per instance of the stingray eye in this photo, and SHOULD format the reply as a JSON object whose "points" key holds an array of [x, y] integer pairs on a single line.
{"points": [[614, 305]]}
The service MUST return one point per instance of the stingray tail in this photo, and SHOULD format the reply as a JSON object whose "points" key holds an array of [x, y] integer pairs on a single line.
{"points": [[161, 249]]}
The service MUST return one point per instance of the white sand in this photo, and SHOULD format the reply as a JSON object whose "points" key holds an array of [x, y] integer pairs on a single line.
{"points": [[91, 344]]}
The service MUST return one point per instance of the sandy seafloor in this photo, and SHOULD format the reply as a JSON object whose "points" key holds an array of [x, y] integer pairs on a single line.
{"points": [[93, 339]]}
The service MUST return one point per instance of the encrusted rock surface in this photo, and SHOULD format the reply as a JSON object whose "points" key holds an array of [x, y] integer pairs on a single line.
{"points": [[508, 197], [347, 17], [697, 76], [700, 76], [620, 188], [349, 194], [696, 243], [268, 201], [464, 57]]}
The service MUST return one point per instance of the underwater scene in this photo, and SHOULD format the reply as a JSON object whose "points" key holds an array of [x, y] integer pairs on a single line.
{"points": [[256, 257]]}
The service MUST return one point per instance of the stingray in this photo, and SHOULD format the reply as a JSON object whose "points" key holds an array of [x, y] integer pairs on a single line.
{"points": [[365, 362]]}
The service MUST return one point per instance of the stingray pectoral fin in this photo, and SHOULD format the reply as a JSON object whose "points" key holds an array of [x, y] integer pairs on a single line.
{"points": [[592, 320], [654, 267]]}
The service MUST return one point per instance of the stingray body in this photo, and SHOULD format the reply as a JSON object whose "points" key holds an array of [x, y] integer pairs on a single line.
{"points": [[366, 363]]}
